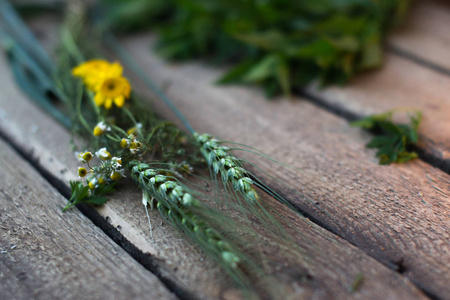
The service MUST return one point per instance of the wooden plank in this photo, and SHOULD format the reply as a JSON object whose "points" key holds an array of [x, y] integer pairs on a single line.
{"points": [[54, 255], [402, 83], [327, 267], [398, 213], [424, 35]]}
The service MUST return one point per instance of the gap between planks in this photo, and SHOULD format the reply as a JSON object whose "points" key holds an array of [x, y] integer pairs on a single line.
{"points": [[388, 262], [46, 253], [331, 270], [424, 35], [320, 285], [394, 213], [415, 75]]}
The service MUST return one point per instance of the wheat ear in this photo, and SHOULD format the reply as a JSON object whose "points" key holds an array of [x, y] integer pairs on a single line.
{"points": [[181, 208], [230, 167]]}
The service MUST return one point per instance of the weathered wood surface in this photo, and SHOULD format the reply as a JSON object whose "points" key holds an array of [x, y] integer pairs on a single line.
{"points": [[425, 35], [402, 83], [327, 268], [397, 213], [47, 254]]}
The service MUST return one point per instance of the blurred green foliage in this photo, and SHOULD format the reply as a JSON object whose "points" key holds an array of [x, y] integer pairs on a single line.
{"points": [[279, 44]]}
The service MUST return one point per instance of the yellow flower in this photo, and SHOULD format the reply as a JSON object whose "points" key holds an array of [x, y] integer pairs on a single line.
{"points": [[135, 146], [113, 89], [132, 130], [85, 156], [100, 128], [91, 185], [98, 131], [101, 180], [82, 172], [116, 175], [103, 154], [124, 143], [94, 72]]}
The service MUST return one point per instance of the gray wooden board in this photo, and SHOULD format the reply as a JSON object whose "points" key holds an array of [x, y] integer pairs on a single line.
{"points": [[398, 214], [47, 254], [425, 32], [403, 83], [399, 84], [327, 267]]}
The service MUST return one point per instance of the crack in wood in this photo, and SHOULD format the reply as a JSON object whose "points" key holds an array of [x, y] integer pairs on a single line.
{"points": [[429, 157], [146, 260]]}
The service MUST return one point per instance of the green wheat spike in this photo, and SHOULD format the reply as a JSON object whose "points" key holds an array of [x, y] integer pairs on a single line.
{"points": [[230, 168], [180, 207]]}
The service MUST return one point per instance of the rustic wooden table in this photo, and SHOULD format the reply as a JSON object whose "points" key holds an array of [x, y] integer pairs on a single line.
{"points": [[387, 227]]}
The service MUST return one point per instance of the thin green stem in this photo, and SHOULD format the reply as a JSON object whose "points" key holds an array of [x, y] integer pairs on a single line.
{"points": [[71, 46], [94, 105], [80, 114], [115, 139], [111, 41], [149, 137], [130, 115], [117, 128]]}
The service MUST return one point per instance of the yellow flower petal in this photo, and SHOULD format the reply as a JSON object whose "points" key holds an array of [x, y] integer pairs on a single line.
{"points": [[89, 67], [108, 103], [99, 100], [119, 101], [115, 70], [94, 72]]}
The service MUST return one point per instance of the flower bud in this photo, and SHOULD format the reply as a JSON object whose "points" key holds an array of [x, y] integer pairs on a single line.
{"points": [[116, 175], [100, 128], [82, 172], [124, 143], [103, 154]]}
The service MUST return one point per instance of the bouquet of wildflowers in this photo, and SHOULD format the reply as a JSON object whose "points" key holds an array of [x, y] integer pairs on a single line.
{"points": [[124, 138]]}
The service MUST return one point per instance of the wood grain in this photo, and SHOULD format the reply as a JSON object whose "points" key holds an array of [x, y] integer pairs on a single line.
{"points": [[398, 213], [425, 33], [399, 84], [47, 254], [403, 83], [327, 267]]}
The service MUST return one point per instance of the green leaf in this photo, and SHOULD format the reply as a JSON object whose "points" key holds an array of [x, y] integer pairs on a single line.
{"points": [[380, 141], [97, 200], [283, 76], [393, 139], [83, 194], [270, 40], [318, 49], [263, 70], [236, 74]]}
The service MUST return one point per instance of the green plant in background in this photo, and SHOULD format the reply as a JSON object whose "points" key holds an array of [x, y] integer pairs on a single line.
{"points": [[279, 44], [392, 140]]}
